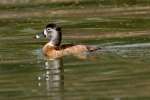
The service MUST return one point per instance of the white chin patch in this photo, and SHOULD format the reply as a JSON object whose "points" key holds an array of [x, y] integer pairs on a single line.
{"points": [[45, 32], [37, 36]]}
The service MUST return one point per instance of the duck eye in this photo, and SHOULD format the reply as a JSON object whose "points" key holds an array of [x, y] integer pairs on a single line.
{"points": [[48, 29]]}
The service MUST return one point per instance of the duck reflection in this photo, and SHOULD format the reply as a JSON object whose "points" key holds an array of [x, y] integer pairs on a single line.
{"points": [[51, 79]]}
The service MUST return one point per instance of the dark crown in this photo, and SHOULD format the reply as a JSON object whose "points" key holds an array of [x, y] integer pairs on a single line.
{"points": [[52, 25]]}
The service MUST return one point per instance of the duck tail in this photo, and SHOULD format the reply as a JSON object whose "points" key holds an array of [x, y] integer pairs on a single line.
{"points": [[92, 49]]}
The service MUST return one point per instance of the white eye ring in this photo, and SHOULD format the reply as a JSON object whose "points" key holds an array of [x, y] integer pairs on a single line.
{"points": [[48, 29]]}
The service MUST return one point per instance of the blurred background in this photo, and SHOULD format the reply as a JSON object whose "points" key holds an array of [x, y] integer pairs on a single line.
{"points": [[102, 17], [120, 71]]}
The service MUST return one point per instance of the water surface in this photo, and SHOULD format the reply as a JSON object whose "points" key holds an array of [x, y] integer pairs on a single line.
{"points": [[119, 71]]}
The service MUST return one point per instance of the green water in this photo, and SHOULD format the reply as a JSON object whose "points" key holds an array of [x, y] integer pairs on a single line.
{"points": [[119, 71]]}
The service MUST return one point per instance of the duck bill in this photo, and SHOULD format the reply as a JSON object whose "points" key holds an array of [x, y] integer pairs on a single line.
{"points": [[39, 35]]}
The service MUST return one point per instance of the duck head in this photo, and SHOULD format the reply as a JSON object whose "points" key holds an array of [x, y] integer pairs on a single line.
{"points": [[53, 33]]}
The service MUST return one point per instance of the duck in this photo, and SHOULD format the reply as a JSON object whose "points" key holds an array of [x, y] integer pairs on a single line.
{"points": [[54, 49]]}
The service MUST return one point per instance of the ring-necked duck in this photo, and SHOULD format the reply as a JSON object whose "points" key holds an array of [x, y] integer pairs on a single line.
{"points": [[53, 49]]}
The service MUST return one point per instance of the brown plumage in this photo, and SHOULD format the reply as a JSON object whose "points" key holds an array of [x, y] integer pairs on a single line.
{"points": [[63, 50], [53, 49]]}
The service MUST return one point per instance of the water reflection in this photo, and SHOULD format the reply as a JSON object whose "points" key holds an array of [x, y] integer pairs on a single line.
{"points": [[51, 79]]}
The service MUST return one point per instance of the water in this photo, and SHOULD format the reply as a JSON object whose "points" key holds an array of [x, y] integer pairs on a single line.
{"points": [[119, 71]]}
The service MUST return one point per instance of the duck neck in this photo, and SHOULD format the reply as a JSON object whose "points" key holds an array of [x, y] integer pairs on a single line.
{"points": [[55, 39]]}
